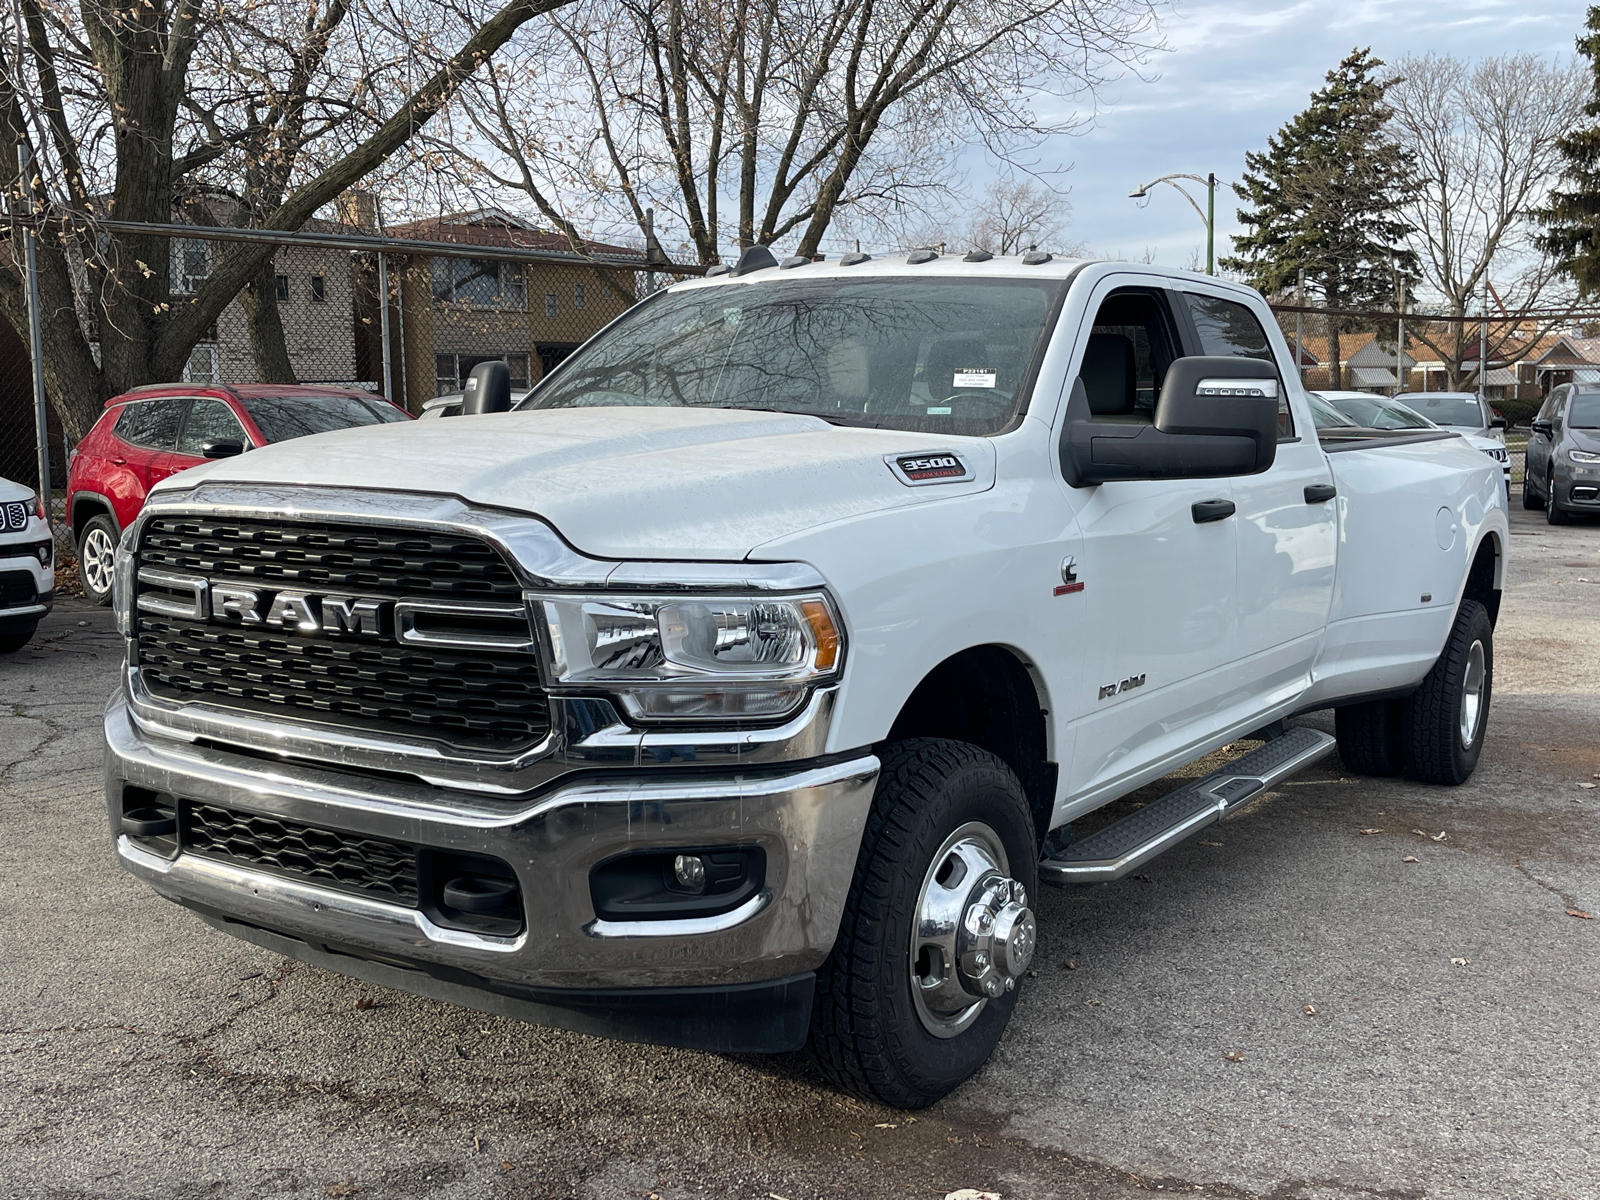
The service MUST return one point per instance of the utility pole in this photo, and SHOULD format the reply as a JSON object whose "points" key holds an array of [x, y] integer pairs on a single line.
{"points": [[35, 333], [383, 299], [1400, 332], [1483, 343], [1300, 326]]}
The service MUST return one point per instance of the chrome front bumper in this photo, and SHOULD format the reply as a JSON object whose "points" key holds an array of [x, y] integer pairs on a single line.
{"points": [[807, 817]]}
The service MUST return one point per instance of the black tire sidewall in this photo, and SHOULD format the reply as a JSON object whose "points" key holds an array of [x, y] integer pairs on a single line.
{"points": [[928, 789], [101, 522], [931, 1063], [1435, 753], [17, 637]]}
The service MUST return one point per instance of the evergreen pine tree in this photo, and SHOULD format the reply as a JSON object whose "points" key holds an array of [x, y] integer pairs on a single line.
{"points": [[1572, 217], [1327, 193]]}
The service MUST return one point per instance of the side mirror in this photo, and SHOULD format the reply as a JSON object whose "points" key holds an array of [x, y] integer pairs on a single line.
{"points": [[1498, 423], [1541, 427], [222, 449], [487, 390], [1215, 417]]}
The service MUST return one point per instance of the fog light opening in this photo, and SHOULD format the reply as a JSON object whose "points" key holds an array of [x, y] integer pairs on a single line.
{"points": [[690, 872]]}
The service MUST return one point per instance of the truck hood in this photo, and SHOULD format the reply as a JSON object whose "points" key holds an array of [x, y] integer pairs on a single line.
{"points": [[660, 483]]}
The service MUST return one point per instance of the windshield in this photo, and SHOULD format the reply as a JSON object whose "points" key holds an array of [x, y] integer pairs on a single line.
{"points": [[1376, 413], [936, 355], [1462, 411], [1325, 416], [281, 418], [1583, 411]]}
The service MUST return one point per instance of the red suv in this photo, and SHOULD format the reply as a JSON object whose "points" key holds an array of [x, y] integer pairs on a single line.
{"points": [[152, 432]]}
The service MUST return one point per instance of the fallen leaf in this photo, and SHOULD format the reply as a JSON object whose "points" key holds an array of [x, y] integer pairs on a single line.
{"points": [[1411, 858], [1578, 912], [885, 1125], [971, 1194], [1589, 786], [505, 1166], [1369, 832], [342, 1189], [1420, 832], [1438, 837], [82, 623], [1234, 1056], [1310, 1010], [364, 1003], [1458, 962], [1204, 843], [1091, 1004], [1072, 964]]}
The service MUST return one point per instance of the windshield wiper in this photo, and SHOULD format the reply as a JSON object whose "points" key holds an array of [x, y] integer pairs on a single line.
{"points": [[830, 418]]}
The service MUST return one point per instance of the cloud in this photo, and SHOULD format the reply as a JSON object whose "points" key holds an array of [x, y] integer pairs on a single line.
{"points": [[1235, 72]]}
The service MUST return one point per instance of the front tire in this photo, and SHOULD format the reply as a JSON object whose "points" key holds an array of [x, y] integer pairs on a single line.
{"points": [[1448, 713], [937, 931], [1554, 514], [97, 552]]}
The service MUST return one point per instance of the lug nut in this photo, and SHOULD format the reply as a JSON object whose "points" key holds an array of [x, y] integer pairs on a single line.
{"points": [[980, 959], [1011, 984]]}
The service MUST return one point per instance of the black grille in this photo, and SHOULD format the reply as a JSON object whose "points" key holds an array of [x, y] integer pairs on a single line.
{"points": [[481, 700], [344, 558], [347, 861], [16, 589], [466, 698]]}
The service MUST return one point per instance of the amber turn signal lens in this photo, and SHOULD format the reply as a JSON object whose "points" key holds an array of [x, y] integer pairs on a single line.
{"points": [[822, 629]]}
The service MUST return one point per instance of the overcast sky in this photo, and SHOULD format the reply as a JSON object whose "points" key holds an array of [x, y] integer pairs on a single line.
{"points": [[1235, 71]]}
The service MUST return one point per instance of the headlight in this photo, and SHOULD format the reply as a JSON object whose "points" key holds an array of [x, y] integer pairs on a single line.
{"points": [[1583, 456], [695, 656]]}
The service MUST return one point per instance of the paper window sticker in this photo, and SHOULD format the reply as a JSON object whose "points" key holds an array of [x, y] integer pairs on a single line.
{"points": [[973, 377]]}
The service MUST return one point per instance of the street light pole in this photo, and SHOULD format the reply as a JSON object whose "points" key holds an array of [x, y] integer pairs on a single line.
{"points": [[1211, 221], [1208, 214]]}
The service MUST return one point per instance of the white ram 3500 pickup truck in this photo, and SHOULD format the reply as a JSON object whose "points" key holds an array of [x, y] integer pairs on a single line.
{"points": [[740, 687]]}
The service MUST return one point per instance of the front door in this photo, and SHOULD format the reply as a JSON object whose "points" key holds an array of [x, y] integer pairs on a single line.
{"points": [[1287, 526], [1159, 564]]}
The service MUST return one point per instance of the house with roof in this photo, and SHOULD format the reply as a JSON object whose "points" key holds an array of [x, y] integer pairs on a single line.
{"points": [[1368, 363], [457, 310], [1568, 358]]}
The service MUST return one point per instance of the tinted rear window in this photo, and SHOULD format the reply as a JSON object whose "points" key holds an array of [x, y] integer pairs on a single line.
{"points": [[282, 418], [150, 423]]}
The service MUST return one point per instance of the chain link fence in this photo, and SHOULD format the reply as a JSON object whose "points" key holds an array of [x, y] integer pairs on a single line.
{"points": [[406, 315]]}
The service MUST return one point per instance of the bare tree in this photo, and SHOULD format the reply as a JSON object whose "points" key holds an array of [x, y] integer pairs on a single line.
{"points": [[124, 107], [1481, 139], [756, 121], [1018, 214]]}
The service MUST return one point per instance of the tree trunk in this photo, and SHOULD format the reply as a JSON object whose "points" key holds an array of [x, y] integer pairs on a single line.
{"points": [[259, 299], [1335, 367]]}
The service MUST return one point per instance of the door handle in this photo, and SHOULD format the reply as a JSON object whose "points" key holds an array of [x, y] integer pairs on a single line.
{"points": [[1211, 510], [1320, 493]]}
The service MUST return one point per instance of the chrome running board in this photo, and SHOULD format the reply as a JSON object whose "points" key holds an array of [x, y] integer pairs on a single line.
{"points": [[1133, 841]]}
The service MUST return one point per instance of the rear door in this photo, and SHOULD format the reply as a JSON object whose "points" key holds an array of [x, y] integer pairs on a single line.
{"points": [[1287, 521], [148, 431], [1536, 459]]}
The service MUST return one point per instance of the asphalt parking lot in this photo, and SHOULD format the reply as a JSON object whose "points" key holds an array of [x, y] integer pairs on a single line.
{"points": [[1286, 1007]]}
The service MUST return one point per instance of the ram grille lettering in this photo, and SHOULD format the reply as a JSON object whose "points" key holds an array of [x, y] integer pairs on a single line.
{"points": [[302, 612]]}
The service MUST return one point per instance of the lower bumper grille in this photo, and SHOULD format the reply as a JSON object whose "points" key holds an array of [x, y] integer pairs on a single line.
{"points": [[326, 857], [16, 589]]}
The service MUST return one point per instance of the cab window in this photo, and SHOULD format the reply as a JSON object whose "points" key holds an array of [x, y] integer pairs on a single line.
{"points": [[1131, 345], [152, 424], [1229, 329]]}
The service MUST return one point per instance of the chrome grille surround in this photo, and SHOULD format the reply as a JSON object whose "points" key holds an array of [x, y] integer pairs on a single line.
{"points": [[583, 733]]}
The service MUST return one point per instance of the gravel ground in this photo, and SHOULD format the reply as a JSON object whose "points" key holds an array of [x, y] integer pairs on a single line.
{"points": [[1284, 1007]]}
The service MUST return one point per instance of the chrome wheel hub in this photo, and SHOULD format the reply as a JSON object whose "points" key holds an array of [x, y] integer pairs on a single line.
{"points": [[974, 934], [1472, 695], [98, 556]]}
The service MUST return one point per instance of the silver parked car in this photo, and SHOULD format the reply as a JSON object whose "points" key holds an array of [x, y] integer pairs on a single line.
{"points": [[1563, 471]]}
